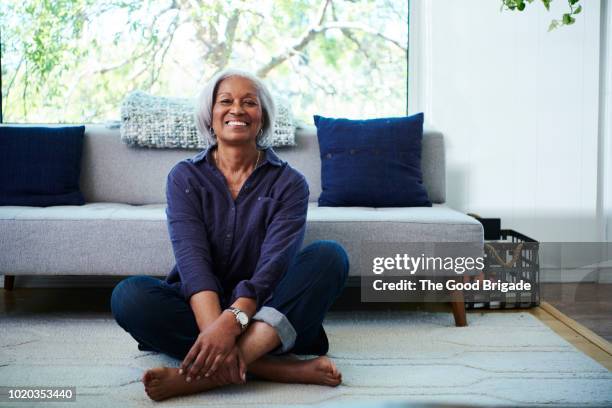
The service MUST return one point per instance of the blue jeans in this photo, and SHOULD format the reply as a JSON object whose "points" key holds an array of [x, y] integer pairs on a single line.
{"points": [[159, 318]]}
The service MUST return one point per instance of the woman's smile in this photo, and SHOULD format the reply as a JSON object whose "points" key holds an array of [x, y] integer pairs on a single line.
{"points": [[237, 124]]}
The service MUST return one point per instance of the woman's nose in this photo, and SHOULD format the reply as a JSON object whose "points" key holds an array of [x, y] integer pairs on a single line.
{"points": [[236, 108]]}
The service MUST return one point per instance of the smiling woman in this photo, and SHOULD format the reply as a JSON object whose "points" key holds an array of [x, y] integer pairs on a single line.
{"points": [[237, 113], [233, 95], [241, 288]]}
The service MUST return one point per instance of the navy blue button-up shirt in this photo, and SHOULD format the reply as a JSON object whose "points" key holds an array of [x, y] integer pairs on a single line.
{"points": [[237, 248]]}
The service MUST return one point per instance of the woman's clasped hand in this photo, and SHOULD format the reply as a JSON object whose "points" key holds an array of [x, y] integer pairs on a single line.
{"points": [[215, 354]]}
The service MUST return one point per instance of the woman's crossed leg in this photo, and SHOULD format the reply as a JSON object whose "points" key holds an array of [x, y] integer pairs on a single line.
{"points": [[157, 316]]}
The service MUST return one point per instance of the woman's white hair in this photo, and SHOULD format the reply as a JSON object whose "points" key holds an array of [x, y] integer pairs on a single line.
{"points": [[206, 101]]}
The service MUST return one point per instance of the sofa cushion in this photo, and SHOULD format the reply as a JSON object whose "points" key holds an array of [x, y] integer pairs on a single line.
{"points": [[372, 163], [305, 158], [359, 229], [121, 239], [40, 166], [106, 238]]}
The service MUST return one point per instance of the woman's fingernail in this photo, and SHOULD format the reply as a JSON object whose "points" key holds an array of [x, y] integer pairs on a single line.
{"points": [[207, 375], [180, 371], [188, 379], [198, 377]]}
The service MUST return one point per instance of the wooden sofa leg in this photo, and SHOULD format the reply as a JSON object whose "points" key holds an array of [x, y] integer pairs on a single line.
{"points": [[9, 282], [458, 306]]}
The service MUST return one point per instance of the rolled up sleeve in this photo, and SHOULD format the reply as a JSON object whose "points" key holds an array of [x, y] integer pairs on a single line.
{"points": [[188, 235], [283, 238]]}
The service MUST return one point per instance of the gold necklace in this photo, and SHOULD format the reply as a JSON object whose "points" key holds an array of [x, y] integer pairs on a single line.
{"points": [[257, 162]]}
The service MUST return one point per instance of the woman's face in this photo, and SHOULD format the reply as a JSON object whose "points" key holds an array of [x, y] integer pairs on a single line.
{"points": [[237, 113]]}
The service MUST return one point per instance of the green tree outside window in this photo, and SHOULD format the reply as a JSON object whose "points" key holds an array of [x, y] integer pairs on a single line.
{"points": [[75, 60]]}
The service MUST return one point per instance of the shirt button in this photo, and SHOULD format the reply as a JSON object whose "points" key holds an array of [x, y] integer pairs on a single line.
{"points": [[229, 235], [187, 190]]}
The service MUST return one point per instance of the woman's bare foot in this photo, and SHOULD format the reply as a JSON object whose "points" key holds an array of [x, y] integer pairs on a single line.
{"points": [[320, 370], [164, 382]]}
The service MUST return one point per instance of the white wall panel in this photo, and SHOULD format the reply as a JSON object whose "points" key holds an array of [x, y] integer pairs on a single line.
{"points": [[519, 107]]}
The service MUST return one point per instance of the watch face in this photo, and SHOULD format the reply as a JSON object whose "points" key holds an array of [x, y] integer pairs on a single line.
{"points": [[243, 318]]}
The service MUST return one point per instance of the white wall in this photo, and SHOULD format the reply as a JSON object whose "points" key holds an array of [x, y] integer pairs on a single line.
{"points": [[519, 107], [605, 191], [606, 121]]}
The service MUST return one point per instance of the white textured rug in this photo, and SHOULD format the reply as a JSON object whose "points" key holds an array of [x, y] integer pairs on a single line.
{"points": [[506, 359]]}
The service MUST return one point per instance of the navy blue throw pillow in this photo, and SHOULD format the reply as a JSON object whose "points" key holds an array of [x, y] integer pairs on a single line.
{"points": [[40, 166], [371, 163]]}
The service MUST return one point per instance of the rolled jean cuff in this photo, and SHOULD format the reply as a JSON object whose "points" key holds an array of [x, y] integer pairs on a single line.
{"points": [[281, 324]]}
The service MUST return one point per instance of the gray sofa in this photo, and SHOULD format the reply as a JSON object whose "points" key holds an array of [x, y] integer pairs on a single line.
{"points": [[122, 229]]}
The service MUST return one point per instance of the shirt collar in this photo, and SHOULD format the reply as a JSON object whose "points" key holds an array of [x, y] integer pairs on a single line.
{"points": [[270, 156], [202, 155]]}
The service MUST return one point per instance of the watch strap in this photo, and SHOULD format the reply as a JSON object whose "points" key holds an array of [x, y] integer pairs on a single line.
{"points": [[235, 311]]}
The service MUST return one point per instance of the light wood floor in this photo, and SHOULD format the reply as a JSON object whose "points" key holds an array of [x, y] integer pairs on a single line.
{"points": [[590, 304], [88, 301]]}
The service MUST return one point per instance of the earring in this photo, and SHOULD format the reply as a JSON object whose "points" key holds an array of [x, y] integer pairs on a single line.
{"points": [[212, 132]]}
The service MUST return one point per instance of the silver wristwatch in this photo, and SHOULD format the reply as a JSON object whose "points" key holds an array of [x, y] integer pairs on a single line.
{"points": [[241, 317]]}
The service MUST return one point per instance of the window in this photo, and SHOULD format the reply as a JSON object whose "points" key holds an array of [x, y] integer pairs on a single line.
{"points": [[73, 61]]}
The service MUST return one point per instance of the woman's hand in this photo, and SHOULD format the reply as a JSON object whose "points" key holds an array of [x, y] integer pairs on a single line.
{"points": [[232, 370], [211, 347]]}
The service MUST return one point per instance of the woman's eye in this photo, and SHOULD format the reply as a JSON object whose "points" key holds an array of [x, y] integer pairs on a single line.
{"points": [[250, 103], [225, 101]]}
